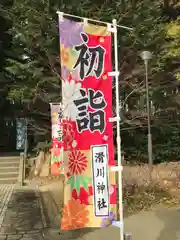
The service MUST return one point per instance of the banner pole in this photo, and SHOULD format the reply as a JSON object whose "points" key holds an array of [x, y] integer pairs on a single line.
{"points": [[61, 14], [118, 132]]}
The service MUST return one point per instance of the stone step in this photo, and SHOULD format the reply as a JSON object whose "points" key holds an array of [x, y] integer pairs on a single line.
{"points": [[8, 180], [9, 164], [9, 175], [5, 160], [9, 156], [8, 169]]}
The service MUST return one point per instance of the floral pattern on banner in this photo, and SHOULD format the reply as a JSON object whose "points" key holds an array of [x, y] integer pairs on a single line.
{"points": [[77, 165], [68, 135], [68, 59], [69, 38], [57, 141], [83, 195], [70, 92], [70, 33], [87, 104], [67, 75], [75, 215], [108, 220]]}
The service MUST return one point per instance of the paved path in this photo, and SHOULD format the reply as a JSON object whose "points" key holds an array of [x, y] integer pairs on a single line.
{"points": [[21, 213], [27, 214], [159, 224], [5, 195], [23, 216]]}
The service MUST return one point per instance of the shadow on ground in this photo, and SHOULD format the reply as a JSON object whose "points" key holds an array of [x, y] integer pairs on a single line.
{"points": [[23, 213], [53, 215], [31, 215]]}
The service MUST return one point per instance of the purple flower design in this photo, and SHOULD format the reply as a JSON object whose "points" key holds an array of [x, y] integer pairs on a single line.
{"points": [[107, 221], [65, 73], [70, 33]]}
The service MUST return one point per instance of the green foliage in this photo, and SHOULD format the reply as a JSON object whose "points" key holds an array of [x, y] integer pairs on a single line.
{"points": [[78, 181], [34, 63], [173, 35], [165, 140], [31, 62]]}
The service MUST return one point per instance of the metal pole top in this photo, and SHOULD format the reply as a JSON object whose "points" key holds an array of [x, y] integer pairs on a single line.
{"points": [[146, 55]]}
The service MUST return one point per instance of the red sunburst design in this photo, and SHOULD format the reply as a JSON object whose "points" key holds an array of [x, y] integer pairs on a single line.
{"points": [[77, 162]]}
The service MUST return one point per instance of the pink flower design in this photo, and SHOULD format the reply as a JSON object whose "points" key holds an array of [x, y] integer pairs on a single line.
{"points": [[68, 135], [55, 151]]}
